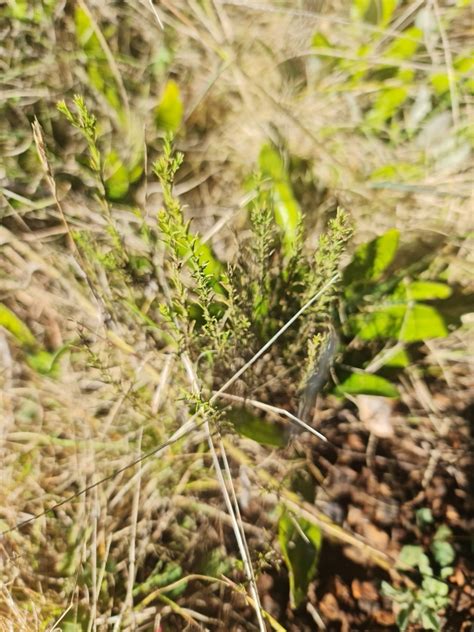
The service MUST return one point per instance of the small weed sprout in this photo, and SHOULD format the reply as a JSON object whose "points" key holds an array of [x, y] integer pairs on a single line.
{"points": [[424, 603]]}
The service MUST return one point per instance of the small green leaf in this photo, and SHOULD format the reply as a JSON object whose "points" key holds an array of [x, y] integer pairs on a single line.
{"points": [[320, 41], [70, 626], [443, 552], [435, 587], [300, 545], [99, 72], [398, 361], [377, 12], [169, 111], [116, 176], [45, 362], [423, 291], [215, 562], [389, 591], [403, 618], [443, 532], [18, 329], [205, 256], [288, 214], [251, 426], [413, 556], [401, 172], [430, 620], [212, 266], [41, 361], [371, 259], [446, 572], [86, 37], [367, 384], [161, 577], [386, 105], [424, 516], [405, 45], [440, 82]]}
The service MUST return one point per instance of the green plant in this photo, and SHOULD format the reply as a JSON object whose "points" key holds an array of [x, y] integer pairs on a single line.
{"points": [[424, 603], [392, 304], [369, 116], [203, 311]]}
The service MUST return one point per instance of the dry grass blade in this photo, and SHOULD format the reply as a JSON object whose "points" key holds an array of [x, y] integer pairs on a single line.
{"points": [[156, 14], [273, 409], [232, 508], [187, 427]]}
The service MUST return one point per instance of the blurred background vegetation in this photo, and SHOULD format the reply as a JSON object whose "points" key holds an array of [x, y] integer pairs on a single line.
{"points": [[285, 113]]}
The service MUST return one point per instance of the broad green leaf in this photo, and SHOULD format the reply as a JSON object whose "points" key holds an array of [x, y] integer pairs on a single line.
{"points": [[116, 177], [288, 213], [85, 35], [407, 323], [251, 426], [367, 384], [384, 322], [271, 164], [422, 323], [135, 170], [371, 259], [423, 291], [169, 111], [18, 329], [443, 552], [301, 553]]}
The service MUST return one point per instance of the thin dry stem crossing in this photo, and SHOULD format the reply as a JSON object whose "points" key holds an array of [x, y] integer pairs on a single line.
{"points": [[276, 410]]}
